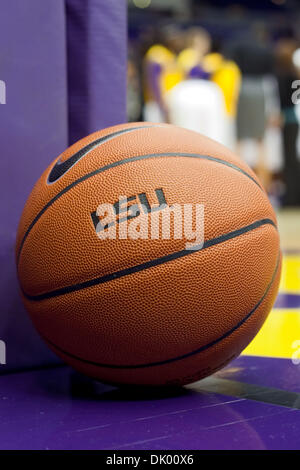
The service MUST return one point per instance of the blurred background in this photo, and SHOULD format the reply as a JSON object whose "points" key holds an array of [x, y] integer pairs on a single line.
{"points": [[228, 70], [231, 71]]}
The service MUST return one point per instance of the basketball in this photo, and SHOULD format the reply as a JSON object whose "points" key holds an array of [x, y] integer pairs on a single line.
{"points": [[122, 296]]}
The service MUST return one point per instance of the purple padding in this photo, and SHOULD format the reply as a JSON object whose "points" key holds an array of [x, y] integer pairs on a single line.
{"points": [[97, 64], [33, 131], [40, 102]]}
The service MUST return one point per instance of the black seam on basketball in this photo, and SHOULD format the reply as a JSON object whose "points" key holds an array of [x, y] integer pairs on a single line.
{"points": [[122, 162], [59, 169], [183, 356], [148, 264], [80, 154]]}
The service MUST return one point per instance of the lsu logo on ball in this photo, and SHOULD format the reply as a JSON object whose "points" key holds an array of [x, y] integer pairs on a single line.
{"points": [[136, 218], [122, 211]]}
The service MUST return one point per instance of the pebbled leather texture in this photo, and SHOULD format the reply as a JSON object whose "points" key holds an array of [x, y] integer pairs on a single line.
{"points": [[171, 323]]}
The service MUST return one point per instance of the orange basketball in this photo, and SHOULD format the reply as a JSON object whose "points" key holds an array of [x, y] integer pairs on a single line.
{"points": [[121, 295]]}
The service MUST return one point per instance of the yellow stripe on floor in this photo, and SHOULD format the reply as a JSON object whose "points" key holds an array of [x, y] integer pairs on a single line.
{"points": [[290, 277], [279, 336]]}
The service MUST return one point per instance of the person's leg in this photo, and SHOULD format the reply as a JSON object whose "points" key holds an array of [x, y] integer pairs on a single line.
{"points": [[262, 169], [291, 170]]}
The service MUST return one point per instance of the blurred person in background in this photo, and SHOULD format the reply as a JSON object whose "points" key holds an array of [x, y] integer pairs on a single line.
{"points": [[161, 72], [196, 102], [226, 74], [188, 84], [134, 92], [190, 59], [286, 74], [254, 57], [206, 100]]}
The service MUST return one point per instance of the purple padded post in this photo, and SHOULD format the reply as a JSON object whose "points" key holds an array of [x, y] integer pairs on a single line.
{"points": [[43, 88], [33, 131], [97, 65]]}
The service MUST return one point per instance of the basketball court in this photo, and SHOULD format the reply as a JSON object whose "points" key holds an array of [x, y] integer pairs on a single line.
{"points": [[254, 403], [160, 341]]}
